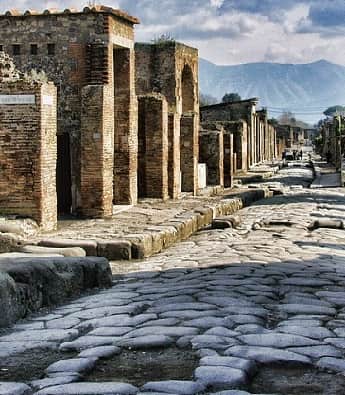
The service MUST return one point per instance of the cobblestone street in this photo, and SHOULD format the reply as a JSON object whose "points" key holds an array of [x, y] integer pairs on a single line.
{"points": [[259, 308]]}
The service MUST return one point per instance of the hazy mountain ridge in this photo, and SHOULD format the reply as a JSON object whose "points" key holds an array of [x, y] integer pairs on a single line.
{"points": [[305, 88]]}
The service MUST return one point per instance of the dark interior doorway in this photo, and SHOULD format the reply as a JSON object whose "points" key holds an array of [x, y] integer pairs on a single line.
{"points": [[63, 175]]}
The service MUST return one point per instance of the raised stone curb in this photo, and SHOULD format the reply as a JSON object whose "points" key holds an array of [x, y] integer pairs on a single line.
{"points": [[28, 284], [159, 237]]}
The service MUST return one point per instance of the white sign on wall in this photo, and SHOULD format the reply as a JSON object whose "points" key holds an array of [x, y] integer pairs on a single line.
{"points": [[17, 99], [47, 100]]}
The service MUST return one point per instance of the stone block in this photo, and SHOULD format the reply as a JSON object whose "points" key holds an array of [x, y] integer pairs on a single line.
{"points": [[115, 250], [90, 246]]}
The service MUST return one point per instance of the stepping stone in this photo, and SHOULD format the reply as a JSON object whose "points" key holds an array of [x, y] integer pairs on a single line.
{"points": [[266, 354], [212, 341], [219, 377], [90, 389], [144, 342], [174, 387], [8, 388], [278, 340], [85, 342]]}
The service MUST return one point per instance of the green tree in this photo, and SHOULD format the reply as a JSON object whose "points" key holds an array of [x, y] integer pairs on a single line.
{"points": [[334, 110], [207, 100], [231, 97]]}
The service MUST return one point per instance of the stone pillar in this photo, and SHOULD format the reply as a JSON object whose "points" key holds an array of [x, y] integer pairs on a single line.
{"points": [[153, 147], [211, 152], [228, 159], [189, 153], [28, 150], [125, 128], [97, 151], [174, 157]]}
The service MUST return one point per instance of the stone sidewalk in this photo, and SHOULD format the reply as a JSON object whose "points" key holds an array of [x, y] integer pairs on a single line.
{"points": [[149, 227], [267, 294], [326, 175]]}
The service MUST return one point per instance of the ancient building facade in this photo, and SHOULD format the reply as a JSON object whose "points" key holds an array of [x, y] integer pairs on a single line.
{"points": [[27, 145], [254, 138], [89, 56], [171, 69]]}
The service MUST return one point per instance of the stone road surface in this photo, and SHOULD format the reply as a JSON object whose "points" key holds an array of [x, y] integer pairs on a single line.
{"points": [[271, 292]]}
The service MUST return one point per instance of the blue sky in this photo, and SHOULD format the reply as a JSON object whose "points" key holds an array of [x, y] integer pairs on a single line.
{"points": [[235, 31]]}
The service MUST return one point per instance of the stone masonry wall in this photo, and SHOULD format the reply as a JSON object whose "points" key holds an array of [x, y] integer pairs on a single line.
{"points": [[28, 153]]}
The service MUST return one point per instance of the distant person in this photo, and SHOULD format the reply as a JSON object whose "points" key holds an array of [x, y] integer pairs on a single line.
{"points": [[294, 153], [301, 154]]}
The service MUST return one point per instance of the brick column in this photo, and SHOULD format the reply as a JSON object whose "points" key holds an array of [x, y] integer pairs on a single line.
{"points": [[174, 159], [189, 153], [97, 151], [228, 159], [126, 128], [153, 147]]}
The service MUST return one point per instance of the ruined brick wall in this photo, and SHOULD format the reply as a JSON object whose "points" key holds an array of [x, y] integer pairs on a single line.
{"points": [[228, 159], [75, 49], [239, 131], [235, 111], [28, 152], [153, 147], [171, 69], [211, 149]]}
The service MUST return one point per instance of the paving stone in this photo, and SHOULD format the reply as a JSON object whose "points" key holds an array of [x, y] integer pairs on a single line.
{"points": [[40, 335], [173, 331], [258, 311], [220, 377], [111, 331], [213, 342], [75, 365], [242, 319], [207, 322], [187, 314], [221, 331], [181, 306], [329, 363], [251, 328], [50, 382], [8, 388], [144, 342], [308, 282], [85, 342], [225, 301], [317, 351], [340, 343], [266, 354], [117, 320], [206, 352], [161, 322], [90, 389], [63, 323], [306, 309], [319, 333], [100, 352], [238, 363], [174, 387], [231, 392], [305, 323], [278, 340]]}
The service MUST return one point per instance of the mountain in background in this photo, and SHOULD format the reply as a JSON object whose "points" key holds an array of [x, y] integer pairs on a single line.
{"points": [[304, 89]]}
